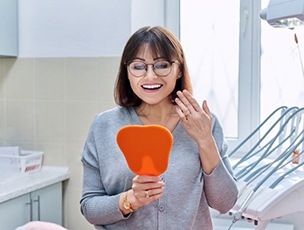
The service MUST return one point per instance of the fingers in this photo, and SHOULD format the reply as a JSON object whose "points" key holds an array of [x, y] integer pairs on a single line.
{"points": [[192, 105], [187, 103], [153, 192], [147, 187], [206, 108], [187, 106], [146, 179], [183, 114], [184, 108]]}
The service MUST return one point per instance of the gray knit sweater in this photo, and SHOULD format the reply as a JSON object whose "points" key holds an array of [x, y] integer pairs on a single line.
{"points": [[188, 190]]}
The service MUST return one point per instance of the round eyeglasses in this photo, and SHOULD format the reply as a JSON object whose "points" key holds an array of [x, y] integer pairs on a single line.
{"points": [[161, 68]]}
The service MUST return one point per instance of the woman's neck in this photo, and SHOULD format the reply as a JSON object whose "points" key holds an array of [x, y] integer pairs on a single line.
{"points": [[161, 114]]}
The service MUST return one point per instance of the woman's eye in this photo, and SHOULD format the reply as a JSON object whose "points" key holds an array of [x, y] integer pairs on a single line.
{"points": [[161, 65], [139, 67]]}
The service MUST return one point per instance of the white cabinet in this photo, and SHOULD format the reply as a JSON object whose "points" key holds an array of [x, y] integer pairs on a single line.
{"points": [[47, 204], [9, 28], [44, 204], [14, 213]]}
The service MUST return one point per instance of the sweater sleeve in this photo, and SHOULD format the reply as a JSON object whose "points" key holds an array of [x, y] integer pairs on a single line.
{"points": [[220, 187], [97, 206]]}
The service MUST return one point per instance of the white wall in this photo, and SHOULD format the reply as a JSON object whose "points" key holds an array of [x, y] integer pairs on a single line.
{"points": [[68, 28], [146, 12], [83, 28]]}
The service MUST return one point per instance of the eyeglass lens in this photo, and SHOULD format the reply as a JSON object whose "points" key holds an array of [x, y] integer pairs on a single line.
{"points": [[160, 68]]}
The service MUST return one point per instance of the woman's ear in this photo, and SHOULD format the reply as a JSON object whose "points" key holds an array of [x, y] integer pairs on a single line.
{"points": [[179, 75]]}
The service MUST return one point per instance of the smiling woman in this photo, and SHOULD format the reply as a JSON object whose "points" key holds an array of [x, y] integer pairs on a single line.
{"points": [[153, 88]]}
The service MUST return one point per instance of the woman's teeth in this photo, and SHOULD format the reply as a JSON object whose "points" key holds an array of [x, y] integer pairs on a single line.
{"points": [[152, 86]]}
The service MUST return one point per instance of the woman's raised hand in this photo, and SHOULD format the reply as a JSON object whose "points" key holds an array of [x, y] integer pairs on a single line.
{"points": [[196, 120]]}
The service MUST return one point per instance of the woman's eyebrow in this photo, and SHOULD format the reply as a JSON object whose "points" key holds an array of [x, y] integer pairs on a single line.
{"points": [[154, 59], [138, 58]]}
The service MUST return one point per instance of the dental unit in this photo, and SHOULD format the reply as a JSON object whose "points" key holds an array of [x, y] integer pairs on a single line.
{"points": [[270, 184], [270, 174]]}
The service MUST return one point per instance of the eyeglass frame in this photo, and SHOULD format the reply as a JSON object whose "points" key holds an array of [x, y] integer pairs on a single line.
{"points": [[152, 64]]}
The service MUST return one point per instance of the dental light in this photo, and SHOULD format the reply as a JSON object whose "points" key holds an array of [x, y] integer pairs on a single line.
{"points": [[284, 13]]}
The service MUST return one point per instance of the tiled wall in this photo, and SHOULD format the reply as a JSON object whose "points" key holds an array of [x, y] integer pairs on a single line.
{"points": [[48, 104]]}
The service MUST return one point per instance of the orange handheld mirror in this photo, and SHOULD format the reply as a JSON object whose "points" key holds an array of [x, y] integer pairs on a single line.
{"points": [[146, 148]]}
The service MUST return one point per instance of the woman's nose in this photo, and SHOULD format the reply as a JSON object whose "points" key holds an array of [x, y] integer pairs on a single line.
{"points": [[150, 71]]}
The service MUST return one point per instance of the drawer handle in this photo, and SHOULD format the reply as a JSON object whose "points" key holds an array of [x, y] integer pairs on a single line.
{"points": [[38, 201], [31, 209]]}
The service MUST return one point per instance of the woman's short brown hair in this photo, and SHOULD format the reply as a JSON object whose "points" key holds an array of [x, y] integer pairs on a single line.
{"points": [[163, 44]]}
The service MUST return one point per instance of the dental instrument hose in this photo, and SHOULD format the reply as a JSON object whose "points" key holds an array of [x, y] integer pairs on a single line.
{"points": [[257, 129], [291, 110], [238, 215], [262, 169], [274, 184]]}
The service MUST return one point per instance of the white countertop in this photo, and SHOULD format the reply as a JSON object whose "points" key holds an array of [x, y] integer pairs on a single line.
{"points": [[17, 185]]}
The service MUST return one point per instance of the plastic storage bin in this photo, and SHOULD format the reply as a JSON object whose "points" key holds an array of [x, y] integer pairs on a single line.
{"points": [[20, 161]]}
